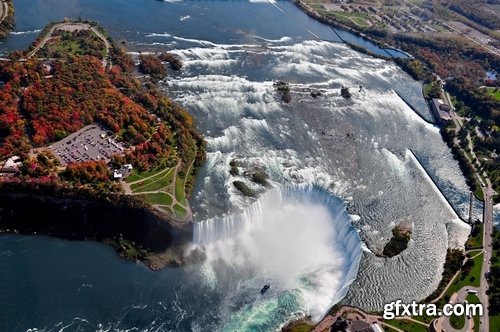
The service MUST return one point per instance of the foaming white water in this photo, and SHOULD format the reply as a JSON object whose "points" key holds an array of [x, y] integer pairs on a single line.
{"points": [[357, 148], [298, 238], [496, 215], [457, 237], [25, 32]]}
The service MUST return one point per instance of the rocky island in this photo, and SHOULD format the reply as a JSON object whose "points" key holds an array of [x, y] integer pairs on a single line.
{"points": [[92, 151]]}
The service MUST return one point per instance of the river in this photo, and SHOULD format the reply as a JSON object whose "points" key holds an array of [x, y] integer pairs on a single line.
{"points": [[359, 150]]}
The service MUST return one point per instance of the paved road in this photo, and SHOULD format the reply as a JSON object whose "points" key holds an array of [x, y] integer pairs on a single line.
{"points": [[484, 45], [455, 276], [4, 10], [44, 40], [459, 297], [84, 26], [488, 230], [106, 43]]}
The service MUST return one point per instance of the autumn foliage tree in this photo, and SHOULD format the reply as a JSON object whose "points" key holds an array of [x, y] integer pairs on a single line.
{"points": [[151, 65], [87, 172], [37, 109]]}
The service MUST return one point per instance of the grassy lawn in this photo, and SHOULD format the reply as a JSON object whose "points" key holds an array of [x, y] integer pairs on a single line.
{"points": [[142, 175], [457, 322], [466, 279], [159, 182], [479, 192], [318, 7], [471, 298], [406, 325], [473, 253], [179, 191], [159, 198], [424, 319], [166, 208], [493, 93], [152, 178], [359, 21], [477, 240], [426, 88], [495, 323], [357, 18], [180, 211], [74, 46], [451, 126]]}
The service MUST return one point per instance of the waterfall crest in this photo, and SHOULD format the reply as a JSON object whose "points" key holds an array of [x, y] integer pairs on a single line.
{"points": [[297, 237]]}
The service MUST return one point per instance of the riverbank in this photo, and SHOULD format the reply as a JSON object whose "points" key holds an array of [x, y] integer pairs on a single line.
{"points": [[334, 24], [136, 231], [71, 188], [454, 57]]}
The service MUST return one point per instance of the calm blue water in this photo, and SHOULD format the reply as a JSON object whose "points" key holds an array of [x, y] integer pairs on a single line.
{"points": [[218, 21], [51, 284], [491, 75], [48, 284]]}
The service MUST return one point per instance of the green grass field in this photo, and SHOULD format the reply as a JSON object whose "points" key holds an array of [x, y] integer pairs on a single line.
{"points": [[135, 176], [426, 87], [155, 175], [493, 93], [471, 298], [167, 208], [457, 322], [475, 272], [160, 189], [74, 46], [180, 211], [357, 18], [476, 241], [479, 193], [179, 191], [159, 199], [158, 182], [495, 323]]}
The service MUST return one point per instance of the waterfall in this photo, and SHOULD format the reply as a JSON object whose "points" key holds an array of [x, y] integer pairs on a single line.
{"points": [[292, 235]]}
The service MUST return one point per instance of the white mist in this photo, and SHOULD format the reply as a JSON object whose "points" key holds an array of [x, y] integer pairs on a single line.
{"points": [[298, 238]]}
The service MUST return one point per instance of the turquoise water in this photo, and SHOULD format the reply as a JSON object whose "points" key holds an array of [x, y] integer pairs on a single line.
{"points": [[233, 51]]}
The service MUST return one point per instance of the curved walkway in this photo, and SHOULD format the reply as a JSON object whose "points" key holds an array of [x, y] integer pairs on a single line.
{"points": [[443, 322], [4, 11], [456, 274], [169, 190], [73, 25]]}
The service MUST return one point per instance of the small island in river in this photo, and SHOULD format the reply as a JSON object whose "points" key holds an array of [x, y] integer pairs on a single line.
{"points": [[87, 151]]}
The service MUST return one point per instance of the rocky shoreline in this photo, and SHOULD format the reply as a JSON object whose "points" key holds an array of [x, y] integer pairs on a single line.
{"points": [[325, 20], [136, 231]]}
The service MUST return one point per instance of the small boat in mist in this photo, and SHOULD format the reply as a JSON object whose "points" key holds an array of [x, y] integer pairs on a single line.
{"points": [[265, 288]]}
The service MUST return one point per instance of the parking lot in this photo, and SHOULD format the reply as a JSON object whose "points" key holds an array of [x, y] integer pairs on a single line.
{"points": [[89, 143]]}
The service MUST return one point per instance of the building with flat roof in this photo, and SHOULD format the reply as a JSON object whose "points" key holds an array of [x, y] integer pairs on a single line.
{"points": [[441, 111]]}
